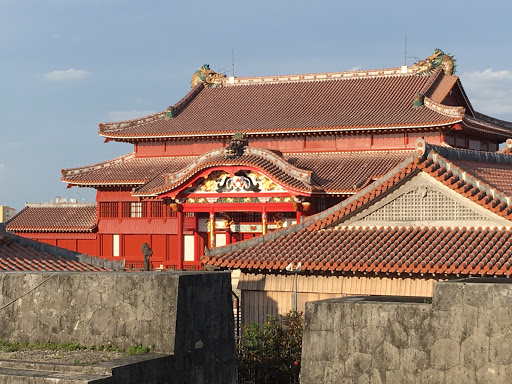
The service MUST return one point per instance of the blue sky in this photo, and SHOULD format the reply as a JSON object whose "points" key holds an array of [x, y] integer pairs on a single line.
{"points": [[67, 65]]}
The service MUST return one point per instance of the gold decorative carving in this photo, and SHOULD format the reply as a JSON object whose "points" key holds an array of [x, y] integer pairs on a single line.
{"points": [[206, 76]]}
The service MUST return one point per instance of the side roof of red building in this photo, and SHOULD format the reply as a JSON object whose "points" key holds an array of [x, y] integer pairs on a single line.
{"points": [[329, 241], [54, 217]]}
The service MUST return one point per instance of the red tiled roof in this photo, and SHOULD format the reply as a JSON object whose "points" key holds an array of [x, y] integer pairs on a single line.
{"points": [[124, 170], [16, 257], [414, 250], [321, 102], [315, 243], [49, 217], [331, 172]]}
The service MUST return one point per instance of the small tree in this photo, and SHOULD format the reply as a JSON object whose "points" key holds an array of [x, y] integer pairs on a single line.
{"points": [[271, 352]]}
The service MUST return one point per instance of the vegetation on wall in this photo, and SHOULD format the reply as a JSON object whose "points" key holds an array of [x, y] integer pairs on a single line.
{"points": [[270, 353]]}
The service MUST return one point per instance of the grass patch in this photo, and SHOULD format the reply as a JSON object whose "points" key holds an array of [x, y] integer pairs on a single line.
{"points": [[136, 349]]}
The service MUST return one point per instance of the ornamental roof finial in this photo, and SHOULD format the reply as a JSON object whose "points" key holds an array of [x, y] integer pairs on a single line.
{"points": [[237, 146], [437, 59], [206, 76]]}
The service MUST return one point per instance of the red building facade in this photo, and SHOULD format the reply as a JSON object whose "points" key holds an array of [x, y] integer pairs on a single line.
{"points": [[240, 157]]}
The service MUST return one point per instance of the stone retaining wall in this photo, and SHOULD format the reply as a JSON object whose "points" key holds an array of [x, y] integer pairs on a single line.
{"points": [[464, 336], [186, 314]]}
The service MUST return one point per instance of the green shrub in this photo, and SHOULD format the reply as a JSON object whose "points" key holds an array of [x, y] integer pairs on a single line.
{"points": [[271, 352]]}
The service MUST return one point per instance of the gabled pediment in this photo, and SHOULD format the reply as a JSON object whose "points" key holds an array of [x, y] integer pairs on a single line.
{"points": [[425, 201]]}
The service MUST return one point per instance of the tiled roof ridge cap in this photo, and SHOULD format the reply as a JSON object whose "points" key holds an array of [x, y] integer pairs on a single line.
{"points": [[60, 205], [308, 221], [445, 110], [493, 120], [93, 167], [321, 76], [395, 227], [300, 174], [467, 177], [436, 74], [119, 125], [447, 153]]}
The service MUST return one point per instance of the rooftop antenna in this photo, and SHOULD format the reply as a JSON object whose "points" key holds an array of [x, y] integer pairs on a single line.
{"points": [[405, 54], [233, 63]]}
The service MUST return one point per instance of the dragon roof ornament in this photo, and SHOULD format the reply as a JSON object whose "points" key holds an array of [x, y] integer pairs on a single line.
{"points": [[237, 146], [437, 59], [206, 76]]}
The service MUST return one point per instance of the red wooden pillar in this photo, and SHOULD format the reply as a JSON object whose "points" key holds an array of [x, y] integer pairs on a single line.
{"points": [[263, 221], [179, 214], [211, 238], [298, 215]]}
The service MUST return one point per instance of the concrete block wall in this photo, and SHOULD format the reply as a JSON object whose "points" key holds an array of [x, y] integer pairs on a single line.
{"points": [[464, 336], [186, 314]]}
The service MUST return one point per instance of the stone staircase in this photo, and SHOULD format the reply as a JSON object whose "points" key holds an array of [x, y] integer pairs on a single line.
{"points": [[131, 369]]}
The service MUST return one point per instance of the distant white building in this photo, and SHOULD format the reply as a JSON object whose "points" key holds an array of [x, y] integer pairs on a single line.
{"points": [[6, 213]]}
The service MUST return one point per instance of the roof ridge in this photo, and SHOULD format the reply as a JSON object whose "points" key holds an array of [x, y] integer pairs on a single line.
{"points": [[59, 205], [320, 76], [468, 154], [117, 125], [93, 167], [493, 120]]}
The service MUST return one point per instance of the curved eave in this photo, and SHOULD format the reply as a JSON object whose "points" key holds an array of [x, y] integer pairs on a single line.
{"points": [[487, 128], [178, 187], [315, 130]]}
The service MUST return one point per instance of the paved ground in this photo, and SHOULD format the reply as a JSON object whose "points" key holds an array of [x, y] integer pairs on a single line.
{"points": [[60, 356]]}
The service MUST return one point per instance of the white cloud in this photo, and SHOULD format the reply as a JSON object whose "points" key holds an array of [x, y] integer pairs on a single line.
{"points": [[356, 68], [127, 115], [66, 75], [490, 91]]}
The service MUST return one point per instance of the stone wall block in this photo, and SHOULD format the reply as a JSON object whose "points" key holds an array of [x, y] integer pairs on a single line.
{"points": [[478, 295], [386, 357], [316, 350], [370, 338], [460, 375], [448, 324], [414, 360], [397, 335], [447, 295], [357, 364], [474, 351], [495, 374], [445, 354], [431, 376], [502, 296], [345, 343], [500, 351], [399, 377], [333, 373]]}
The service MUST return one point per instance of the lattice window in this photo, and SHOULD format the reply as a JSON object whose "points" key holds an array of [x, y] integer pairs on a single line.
{"points": [[157, 209], [109, 209], [134, 209], [423, 204]]}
